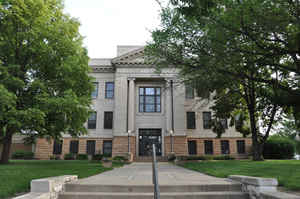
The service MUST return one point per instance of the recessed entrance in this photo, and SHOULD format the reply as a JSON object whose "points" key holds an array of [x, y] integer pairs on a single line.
{"points": [[148, 137]]}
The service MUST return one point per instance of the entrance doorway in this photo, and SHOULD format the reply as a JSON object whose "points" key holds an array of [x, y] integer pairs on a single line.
{"points": [[148, 137]]}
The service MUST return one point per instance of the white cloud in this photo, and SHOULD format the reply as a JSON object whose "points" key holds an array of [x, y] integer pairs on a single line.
{"points": [[108, 23]]}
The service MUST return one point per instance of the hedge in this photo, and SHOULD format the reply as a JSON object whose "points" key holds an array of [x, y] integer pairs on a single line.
{"points": [[278, 147], [27, 155]]}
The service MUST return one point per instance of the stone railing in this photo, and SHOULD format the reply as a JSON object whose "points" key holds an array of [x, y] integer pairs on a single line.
{"points": [[261, 188], [47, 188]]}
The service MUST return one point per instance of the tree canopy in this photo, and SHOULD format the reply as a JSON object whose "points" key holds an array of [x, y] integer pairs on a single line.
{"points": [[245, 52], [44, 84]]}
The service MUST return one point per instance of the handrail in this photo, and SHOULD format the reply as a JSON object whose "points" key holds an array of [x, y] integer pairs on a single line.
{"points": [[155, 174]]}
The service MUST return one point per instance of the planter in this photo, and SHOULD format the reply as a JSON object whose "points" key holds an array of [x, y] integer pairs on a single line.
{"points": [[107, 164]]}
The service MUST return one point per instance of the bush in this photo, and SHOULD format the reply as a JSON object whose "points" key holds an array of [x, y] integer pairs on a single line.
{"points": [[27, 155], [82, 157], [54, 157], [223, 157], [69, 156], [278, 147], [120, 158], [171, 157], [107, 155], [97, 157]]}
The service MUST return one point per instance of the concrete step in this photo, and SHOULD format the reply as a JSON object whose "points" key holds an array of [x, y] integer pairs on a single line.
{"points": [[165, 195], [149, 159], [149, 188]]}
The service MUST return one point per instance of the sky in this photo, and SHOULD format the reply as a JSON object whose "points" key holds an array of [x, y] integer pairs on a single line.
{"points": [[108, 23]]}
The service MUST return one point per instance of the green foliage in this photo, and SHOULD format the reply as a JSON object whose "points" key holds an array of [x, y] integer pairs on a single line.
{"points": [[120, 158], [26, 155], [54, 157], [278, 147], [35, 169], [171, 157], [286, 171], [44, 83], [244, 52], [224, 157], [107, 155], [82, 157], [97, 157], [69, 156]]}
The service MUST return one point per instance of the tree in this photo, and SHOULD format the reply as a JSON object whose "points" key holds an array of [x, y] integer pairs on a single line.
{"points": [[242, 51], [44, 84]]}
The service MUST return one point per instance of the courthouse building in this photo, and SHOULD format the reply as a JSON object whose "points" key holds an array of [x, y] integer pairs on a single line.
{"points": [[135, 107]]}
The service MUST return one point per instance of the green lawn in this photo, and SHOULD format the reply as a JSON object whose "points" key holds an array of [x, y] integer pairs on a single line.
{"points": [[287, 172], [16, 176]]}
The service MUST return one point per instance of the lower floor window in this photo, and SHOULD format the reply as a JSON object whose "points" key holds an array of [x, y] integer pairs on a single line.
{"points": [[241, 146], [107, 147], [192, 147], [225, 147], [208, 147], [90, 147], [74, 146], [57, 147]]}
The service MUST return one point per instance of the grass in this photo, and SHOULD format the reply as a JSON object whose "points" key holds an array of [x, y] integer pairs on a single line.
{"points": [[16, 176], [287, 172]]}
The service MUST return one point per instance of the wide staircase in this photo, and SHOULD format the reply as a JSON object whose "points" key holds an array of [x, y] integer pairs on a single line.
{"points": [[201, 191]]}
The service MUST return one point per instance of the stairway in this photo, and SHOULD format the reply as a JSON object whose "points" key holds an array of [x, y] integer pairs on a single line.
{"points": [[149, 159], [201, 191]]}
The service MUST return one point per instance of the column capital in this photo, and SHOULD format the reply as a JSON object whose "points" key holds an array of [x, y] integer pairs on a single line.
{"points": [[131, 78]]}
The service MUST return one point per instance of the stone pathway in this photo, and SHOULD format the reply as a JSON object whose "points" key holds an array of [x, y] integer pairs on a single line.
{"points": [[141, 174]]}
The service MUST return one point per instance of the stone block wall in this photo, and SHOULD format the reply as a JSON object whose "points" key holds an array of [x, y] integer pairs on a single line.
{"points": [[120, 145]]}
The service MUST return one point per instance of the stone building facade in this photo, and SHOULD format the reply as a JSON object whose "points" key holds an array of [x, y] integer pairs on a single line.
{"points": [[135, 107]]}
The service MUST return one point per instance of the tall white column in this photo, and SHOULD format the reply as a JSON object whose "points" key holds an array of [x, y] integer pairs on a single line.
{"points": [[131, 105], [168, 106]]}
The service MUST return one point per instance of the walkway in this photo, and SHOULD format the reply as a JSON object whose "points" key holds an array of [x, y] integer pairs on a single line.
{"points": [[141, 174]]}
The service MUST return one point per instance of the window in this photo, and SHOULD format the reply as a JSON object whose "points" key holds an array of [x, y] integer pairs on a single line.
{"points": [[109, 90], [189, 91], [225, 147], [108, 120], [57, 147], [206, 120], [95, 91], [240, 146], [224, 123], [74, 146], [149, 100], [90, 147], [190, 120], [92, 121], [192, 147], [208, 147], [107, 147]]}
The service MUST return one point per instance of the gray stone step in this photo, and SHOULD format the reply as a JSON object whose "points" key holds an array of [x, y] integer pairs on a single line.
{"points": [[149, 188], [165, 195]]}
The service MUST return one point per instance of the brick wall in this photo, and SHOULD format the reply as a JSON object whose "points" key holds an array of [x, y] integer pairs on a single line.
{"points": [[179, 145], [120, 145], [44, 148]]}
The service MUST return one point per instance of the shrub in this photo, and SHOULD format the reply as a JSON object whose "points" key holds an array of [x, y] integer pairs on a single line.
{"points": [[278, 147], [82, 157], [223, 157], [27, 155], [69, 156], [97, 157], [107, 155], [54, 157], [171, 157], [120, 158]]}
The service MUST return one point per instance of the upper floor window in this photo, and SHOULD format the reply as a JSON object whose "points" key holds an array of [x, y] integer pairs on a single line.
{"points": [[190, 120], [108, 120], [149, 100], [206, 120], [92, 121], [95, 91], [224, 123], [189, 91], [109, 90]]}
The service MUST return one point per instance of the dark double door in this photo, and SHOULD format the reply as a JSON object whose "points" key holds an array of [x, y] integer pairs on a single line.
{"points": [[148, 137]]}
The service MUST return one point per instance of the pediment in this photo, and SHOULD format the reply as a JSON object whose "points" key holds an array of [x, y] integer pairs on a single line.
{"points": [[134, 57]]}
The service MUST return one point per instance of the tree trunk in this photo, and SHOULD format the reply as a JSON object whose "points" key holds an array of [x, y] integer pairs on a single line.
{"points": [[258, 151], [6, 149]]}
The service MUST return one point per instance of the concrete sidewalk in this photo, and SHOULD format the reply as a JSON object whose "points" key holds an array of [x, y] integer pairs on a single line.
{"points": [[141, 174]]}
